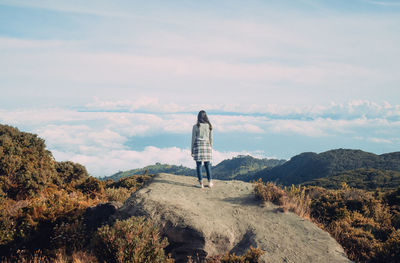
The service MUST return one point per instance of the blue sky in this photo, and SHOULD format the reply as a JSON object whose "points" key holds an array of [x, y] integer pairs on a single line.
{"points": [[116, 85]]}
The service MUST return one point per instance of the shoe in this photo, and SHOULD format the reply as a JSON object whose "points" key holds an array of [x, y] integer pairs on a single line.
{"points": [[201, 185], [210, 184]]}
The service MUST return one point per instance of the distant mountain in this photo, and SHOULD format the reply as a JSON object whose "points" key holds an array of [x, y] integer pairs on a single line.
{"points": [[309, 166], [242, 167], [154, 169], [238, 168]]}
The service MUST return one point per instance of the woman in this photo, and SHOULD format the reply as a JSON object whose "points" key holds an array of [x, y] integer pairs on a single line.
{"points": [[202, 146]]}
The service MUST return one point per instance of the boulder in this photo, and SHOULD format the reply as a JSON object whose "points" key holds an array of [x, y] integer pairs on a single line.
{"points": [[227, 218]]}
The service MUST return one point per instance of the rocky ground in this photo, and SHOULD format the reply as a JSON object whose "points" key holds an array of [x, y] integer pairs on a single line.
{"points": [[227, 218]]}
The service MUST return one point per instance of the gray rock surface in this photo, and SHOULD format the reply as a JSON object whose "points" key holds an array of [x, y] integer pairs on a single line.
{"points": [[227, 218]]}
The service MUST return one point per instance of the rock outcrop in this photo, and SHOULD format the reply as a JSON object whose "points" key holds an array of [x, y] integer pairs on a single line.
{"points": [[227, 218]]}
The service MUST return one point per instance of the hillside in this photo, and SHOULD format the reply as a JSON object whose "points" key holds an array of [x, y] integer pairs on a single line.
{"points": [[55, 212], [238, 168], [43, 202], [366, 179], [242, 167], [309, 166]]}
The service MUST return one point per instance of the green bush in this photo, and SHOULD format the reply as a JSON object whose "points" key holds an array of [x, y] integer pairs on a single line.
{"points": [[132, 240], [26, 167], [70, 173], [117, 194], [132, 183], [92, 187]]}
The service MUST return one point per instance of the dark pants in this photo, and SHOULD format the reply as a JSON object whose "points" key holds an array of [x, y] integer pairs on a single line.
{"points": [[207, 165]]}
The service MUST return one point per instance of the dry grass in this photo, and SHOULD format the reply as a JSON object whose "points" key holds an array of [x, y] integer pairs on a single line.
{"points": [[60, 257], [252, 255], [117, 194], [298, 201], [293, 199]]}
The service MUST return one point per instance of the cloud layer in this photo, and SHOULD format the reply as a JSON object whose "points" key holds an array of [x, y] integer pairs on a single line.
{"points": [[117, 84], [282, 53], [108, 136]]}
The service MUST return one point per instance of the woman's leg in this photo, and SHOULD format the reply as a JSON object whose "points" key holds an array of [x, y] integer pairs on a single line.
{"points": [[207, 165], [198, 169]]}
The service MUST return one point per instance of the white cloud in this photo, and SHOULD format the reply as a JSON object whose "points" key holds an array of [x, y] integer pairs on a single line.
{"points": [[348, 110], [87, 7], [385, 3], [379, 140], [101, 162], [13, 44], [146, 51], [99, 138]]}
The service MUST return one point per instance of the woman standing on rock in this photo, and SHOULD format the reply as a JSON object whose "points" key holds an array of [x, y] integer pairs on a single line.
{"points": [[202, 146]]}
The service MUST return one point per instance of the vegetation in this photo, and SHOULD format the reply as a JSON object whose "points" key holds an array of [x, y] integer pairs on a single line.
{"points": [[243, 167], [367, 179], [293, 199], [43, 204], [132, 240], [365, 223], [309, 166], [252, 255]]}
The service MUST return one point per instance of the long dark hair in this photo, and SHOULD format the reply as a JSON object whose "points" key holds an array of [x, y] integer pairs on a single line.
{"points": [[202, 118]]}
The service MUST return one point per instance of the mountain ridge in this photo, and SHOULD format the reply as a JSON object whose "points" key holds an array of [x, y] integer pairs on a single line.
{"points": [[235, 168], [309, 166]]}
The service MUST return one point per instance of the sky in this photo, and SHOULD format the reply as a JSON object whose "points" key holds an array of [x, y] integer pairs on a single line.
{"points": [[117, 85]]}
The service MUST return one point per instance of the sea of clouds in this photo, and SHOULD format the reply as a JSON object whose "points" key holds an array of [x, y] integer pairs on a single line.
{"points": [[99, 135]]}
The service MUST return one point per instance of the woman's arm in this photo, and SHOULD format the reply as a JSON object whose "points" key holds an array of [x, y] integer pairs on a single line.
{"points": [[193, 137], [211, 138]]}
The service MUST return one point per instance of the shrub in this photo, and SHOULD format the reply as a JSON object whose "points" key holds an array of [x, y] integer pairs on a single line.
{"points": [[270, 192], [359, 221], [117, 194], [390, 250], [26, 167], [328, 207], [359, 243], [70, 173], [34, 222], [252, 255], [132, 183], [292, 199], [298, 201], [69, 236], [131, 240], [59, 257], [92, 187], [23, 257]]}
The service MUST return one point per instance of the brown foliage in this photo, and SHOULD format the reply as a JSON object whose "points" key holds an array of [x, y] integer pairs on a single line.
{"points": [[293, 199], [131, 240], [360, 221], [26, 167], [252, 255]]}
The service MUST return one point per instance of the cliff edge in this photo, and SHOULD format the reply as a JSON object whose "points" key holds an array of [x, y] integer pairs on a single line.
{"points": [[227, 218]]}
